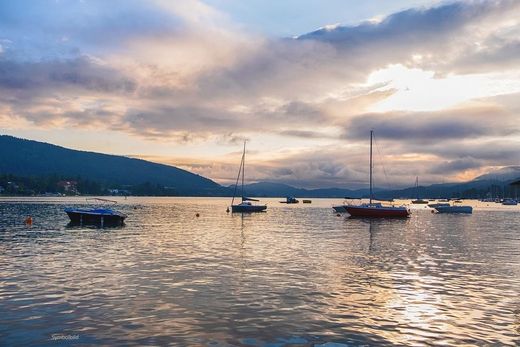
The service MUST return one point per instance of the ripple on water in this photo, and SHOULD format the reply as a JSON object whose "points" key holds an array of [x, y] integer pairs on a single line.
{"points": [[292, 276]]}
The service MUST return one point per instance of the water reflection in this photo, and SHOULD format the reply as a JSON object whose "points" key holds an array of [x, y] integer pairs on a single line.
{"points": [[292, 276]]}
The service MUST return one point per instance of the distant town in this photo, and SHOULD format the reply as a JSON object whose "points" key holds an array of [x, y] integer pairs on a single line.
{"points": [[11, 185]]}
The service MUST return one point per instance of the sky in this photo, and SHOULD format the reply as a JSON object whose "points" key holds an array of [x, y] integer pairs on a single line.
{"points": [[304, 81]]}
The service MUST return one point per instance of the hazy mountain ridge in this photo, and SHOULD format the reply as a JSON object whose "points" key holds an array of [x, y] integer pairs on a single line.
{"points": [[480, 187], [271, 189]]}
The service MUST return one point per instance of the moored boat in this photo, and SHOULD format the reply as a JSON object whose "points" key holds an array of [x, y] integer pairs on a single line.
{"points": [[454, 209], [290, 200], [440, 204], [377, 210], [509, 202], [101, 216], [340, 208], [245, 206], [372, 209]]}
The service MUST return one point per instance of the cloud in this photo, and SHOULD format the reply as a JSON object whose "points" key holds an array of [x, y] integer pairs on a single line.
{"points": [[184, 71], [82, 73], [501, 55], [190, 63], [494, 152], [441, 38], [427, 127], [309, 134], [456, 166], [49, 28]]}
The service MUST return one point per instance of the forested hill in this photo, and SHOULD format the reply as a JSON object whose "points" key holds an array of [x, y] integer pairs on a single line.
{"points": [[31, 158]]}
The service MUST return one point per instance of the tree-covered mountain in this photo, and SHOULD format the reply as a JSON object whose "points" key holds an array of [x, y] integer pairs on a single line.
{"points": [[28, 158]]}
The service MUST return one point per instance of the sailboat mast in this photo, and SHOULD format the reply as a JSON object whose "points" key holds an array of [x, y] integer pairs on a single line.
{"points": [[243, 169], [371, 136], [417, 187]]}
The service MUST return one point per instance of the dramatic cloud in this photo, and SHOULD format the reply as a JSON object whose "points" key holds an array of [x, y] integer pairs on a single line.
{"points": [[428, 127], [421, 37], [434, 83]]}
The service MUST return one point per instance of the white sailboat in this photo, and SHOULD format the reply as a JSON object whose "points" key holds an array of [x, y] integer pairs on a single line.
{"points": [[246, 205]]}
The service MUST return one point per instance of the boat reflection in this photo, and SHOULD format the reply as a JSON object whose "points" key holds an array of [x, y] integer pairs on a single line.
{"points": [[81, 226]]}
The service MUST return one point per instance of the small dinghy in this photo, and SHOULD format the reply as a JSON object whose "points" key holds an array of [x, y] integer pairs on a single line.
{"points": [[447, 208], [101, 216], [440, 204], [290, 200]]}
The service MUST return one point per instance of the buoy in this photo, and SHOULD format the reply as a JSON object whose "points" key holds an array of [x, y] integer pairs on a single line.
{"points": [[227, 210], [28, 220], [338, 215], [197, 214]]}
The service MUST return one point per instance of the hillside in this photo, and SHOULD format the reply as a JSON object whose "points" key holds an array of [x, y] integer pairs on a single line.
{"points": [[474, 189], [31, 158], [270, 189], [478, 188]]}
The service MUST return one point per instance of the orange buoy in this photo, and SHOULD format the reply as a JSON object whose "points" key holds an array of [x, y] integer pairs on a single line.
{"points": [[28, 220]]}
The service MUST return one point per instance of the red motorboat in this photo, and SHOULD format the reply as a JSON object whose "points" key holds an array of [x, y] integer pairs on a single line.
{"points": [[373, 210]]}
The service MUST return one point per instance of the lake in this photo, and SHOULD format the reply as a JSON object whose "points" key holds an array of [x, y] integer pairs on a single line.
{"points": [[297, 275]]}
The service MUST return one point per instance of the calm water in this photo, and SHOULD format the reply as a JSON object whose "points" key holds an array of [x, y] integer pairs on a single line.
{"points": [[296, 275]]}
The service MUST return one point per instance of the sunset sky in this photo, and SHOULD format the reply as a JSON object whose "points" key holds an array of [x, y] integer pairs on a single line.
{"points": [[184, 82]]}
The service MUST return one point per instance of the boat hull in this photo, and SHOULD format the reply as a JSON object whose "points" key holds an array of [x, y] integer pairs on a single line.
{"points": [[435, 206], [454, 209], [86, 218], [248, 208], [339, 209], [419, 202], [377, 212]]}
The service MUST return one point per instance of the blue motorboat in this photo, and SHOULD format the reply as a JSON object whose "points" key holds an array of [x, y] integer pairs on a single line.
{"points": [[101, 216], [290, 200]]}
